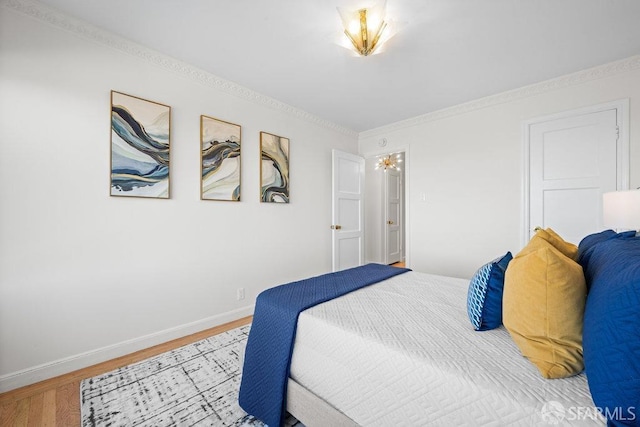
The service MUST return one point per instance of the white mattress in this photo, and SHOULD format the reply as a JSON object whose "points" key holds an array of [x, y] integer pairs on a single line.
{"points": [[403, 352]]}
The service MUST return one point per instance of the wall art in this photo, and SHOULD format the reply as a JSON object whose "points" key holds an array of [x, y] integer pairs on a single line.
{"points": [[219, 159], [140, 141], [274, 168]]}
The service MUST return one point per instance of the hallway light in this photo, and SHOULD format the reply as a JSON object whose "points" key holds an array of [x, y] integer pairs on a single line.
{"points": [[389, 161]]}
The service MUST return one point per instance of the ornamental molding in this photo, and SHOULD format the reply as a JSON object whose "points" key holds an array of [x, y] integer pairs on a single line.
{"points": [[599, 72], [92, 33]]}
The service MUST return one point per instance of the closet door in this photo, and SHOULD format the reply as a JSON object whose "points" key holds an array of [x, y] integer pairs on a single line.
{"points": [[573, 159]]}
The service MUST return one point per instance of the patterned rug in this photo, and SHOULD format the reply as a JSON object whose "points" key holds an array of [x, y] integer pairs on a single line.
{"points": [[195, 385]]}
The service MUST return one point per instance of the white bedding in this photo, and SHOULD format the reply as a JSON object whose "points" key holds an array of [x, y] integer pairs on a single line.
{"points": [[403, 352]]}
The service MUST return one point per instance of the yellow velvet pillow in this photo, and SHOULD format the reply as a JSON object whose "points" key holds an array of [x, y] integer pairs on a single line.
{"points": [[543, 307], [568, 249]]}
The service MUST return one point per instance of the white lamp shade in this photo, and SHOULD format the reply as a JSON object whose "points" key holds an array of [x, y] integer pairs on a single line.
{"points": [[621, 209]]}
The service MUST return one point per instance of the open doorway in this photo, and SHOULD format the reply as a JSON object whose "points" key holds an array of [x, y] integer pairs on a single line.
{"points": [[385, 220]]}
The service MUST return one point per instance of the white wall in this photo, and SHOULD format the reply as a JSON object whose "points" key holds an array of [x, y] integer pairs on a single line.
{"points": [[467, 162], [85, 276]]}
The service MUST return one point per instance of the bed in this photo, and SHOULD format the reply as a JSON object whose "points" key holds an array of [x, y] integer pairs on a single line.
{"points": [[378, 346], [398, 349], [402, 352]]}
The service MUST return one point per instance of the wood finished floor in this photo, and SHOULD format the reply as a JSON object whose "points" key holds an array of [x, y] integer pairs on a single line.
{"points": [[56, 402]]}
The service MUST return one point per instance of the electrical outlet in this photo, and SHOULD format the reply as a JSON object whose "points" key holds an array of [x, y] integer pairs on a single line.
{"points": [[240, 294]]}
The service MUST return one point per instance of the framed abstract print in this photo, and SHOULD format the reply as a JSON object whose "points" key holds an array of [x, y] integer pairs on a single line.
{"points": [[140, 142], [274, 168], [219, 159]]}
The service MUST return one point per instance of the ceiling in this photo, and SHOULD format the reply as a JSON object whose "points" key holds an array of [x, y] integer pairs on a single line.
{"points": [[445, 52]]}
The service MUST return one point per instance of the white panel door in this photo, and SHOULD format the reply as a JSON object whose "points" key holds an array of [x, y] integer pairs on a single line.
{"points": [[393, 215], [348, 210], [573, 160]]}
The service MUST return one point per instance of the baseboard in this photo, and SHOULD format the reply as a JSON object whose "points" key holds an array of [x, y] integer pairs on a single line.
{"points": [[79, 361]]}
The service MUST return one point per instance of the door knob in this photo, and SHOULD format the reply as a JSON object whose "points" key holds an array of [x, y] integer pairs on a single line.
{"points": [[336, 227], [389, 222]]}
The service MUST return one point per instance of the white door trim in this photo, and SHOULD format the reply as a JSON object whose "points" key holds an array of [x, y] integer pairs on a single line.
{"points": [[622, 105], [407, 192]]}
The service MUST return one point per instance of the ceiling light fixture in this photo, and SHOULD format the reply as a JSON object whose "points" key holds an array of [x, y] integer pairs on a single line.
{"points": [[364, 27], [389, 162]]}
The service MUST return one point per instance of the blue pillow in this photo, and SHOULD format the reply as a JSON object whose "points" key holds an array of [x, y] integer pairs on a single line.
{"points": [[611, 334], [588, 244], [591, 240], [484, 299]]}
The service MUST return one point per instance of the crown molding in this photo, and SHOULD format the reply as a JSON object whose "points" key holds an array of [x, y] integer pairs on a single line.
{"points": [[87, 31], [90, 32], [602, 71]]}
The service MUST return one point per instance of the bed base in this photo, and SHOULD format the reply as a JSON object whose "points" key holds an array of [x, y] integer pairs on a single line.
{"points": [[312, 410]]}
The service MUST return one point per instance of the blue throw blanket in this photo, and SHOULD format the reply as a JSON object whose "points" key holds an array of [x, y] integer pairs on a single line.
{"points": [[267, 359]]}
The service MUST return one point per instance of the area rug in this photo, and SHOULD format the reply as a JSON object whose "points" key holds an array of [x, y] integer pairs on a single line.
{"points": [[194, 385]]}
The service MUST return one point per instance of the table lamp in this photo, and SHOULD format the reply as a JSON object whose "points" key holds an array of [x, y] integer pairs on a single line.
{"points": [[621, 210]]}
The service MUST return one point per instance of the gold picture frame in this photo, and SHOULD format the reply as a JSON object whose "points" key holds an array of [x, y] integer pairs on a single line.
{"points": [[274, 168], [220, 159], [140, 147]]}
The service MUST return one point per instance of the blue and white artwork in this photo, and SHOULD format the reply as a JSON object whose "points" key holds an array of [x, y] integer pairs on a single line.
{"points": [[220, 159], [274, 168], [140, 132]]}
